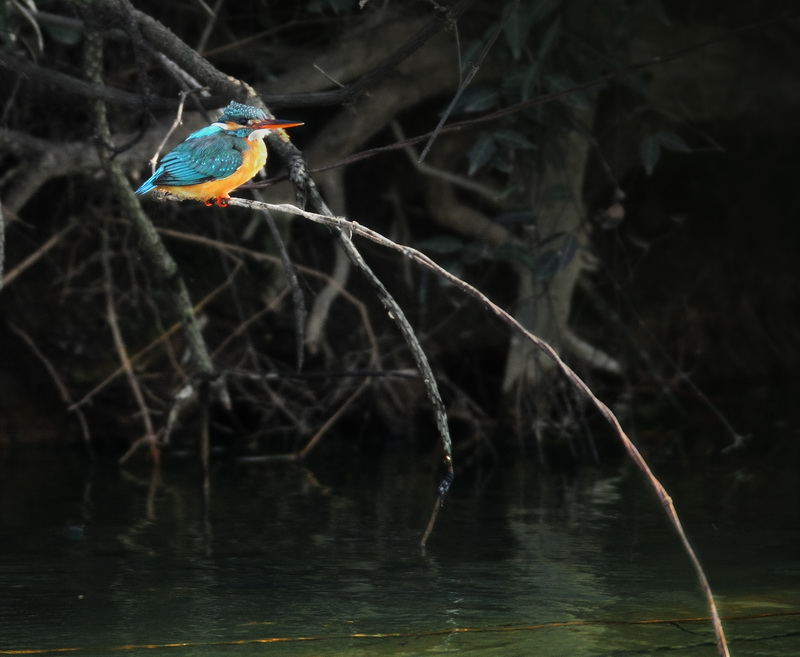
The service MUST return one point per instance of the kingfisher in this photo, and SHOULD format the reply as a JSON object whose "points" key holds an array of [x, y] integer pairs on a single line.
{"points": [[218, 158]]}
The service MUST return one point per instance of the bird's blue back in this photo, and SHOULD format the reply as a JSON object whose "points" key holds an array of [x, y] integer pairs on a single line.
{"points": [[211, 153]]}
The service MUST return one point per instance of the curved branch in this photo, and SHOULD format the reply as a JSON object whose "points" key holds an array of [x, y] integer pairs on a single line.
{"points": [[354, 228]]}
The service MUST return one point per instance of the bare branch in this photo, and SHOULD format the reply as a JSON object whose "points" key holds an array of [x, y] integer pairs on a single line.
{"points": [[354, 228], [24, 68]]}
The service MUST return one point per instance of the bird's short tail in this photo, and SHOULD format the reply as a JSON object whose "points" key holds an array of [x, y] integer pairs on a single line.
{"points": [[147, 185]]}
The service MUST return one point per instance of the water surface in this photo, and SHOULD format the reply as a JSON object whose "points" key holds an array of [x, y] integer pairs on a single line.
{"points": [[289, 561]]}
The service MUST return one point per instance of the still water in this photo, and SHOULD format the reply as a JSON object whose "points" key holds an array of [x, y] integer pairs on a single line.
{"points": [[280, 560]]}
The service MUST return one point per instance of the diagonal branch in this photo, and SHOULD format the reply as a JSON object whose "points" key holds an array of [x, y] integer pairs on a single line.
{"points": [[397, 314]]}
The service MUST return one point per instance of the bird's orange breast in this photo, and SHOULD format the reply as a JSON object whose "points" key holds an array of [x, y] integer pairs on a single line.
{"points": [[253, 160]]}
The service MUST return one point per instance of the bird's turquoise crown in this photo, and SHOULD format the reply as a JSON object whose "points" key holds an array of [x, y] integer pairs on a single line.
{"points": [[238, 113]]}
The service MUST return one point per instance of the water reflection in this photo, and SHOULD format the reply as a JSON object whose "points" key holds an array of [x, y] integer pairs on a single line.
{"points": [[329, 563]]}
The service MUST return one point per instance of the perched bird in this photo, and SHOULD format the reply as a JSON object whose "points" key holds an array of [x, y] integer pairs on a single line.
{"points": [[217, 159]]}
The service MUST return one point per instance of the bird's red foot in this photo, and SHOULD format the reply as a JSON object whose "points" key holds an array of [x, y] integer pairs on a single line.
{"points": [[220, 201]]}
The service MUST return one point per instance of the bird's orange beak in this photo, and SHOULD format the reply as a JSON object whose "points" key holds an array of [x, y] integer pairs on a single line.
{"points": [[274, 124]]}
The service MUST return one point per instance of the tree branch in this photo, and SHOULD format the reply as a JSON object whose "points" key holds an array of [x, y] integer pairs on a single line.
{"points": [[353, 228], [78, 87]]}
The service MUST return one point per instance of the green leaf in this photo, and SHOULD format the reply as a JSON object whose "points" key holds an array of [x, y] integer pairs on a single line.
{"points": [[63, 34], [500, 161], [653, 8], [477, 99], [475, 252], [513, 78], [470, 54], [550, 38], [5, 24], [545, 265], [480, 153], [560, 82], [515, 254], [557, 193], [441, 244], [513, 139], [549, 262], [336, 6], [529, 81], [650, 152], [551, 239], [672, 141], [635, 81], [651, 145], [543, 8], [518, 27], [516, 217]]}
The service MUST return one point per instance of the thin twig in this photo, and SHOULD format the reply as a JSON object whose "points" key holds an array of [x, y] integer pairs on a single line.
{"points": [[421, 360], [122, 352], [336, 82], [307, 192], [62, 389], [303, 453], [180, 402], [473, 69], [172, 330], [464, 182], [244, 324], [161, 339], [290, 271], [177, 122], [49, 244], [209, 28]]}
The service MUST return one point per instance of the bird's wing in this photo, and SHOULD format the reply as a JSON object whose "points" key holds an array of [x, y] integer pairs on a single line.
{"points": [[200, 159]]}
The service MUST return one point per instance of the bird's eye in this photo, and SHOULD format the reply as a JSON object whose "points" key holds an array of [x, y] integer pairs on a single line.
{"points": [[243, 121]]}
